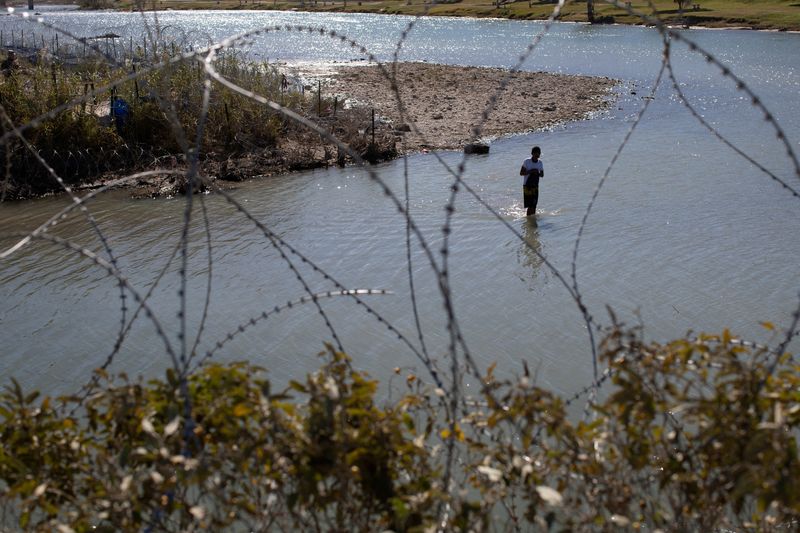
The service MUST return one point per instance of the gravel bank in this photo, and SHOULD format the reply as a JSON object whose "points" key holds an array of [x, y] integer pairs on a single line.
{"points": [[443, 105]]}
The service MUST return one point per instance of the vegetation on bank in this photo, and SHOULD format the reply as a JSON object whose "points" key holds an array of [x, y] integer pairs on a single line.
{"points": [[757, 14], [88, 137], [699, 434]]}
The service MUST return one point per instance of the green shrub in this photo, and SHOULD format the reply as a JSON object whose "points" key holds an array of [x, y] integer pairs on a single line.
{"points": [[247, 456], [695, 435]]}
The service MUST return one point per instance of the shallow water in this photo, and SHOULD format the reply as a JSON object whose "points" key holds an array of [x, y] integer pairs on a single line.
{"points": [[684, 235]]}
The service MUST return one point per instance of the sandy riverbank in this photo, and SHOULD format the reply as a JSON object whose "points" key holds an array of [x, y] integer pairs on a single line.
{"points": [[446, 103]]}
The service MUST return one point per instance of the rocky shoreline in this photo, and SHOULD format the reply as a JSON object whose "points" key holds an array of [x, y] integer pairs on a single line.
{"points": [[438, 107]]}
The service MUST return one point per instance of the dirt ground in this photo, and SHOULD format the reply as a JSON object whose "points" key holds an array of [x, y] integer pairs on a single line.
{"points": [[446, 107]]}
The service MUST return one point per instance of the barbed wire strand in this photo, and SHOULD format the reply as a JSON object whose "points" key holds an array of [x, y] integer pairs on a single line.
{"points": [[117, 275], [209, 278], [228, 43], [62, 214], [84, 211], [456, 338], [442, 272], [256, 319], [325, 134], [39, 20], [599, 186], [191, 177], [618, 5], [685, 101], [726, 72], [791, 333], [280, 244], [87, 389], [410, 268]]}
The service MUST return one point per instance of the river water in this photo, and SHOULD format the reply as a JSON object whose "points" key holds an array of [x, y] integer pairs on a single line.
{"points": [[685, 234]]}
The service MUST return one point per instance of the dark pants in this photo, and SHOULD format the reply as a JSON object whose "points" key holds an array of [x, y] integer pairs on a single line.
{"points": [[530, 196]]}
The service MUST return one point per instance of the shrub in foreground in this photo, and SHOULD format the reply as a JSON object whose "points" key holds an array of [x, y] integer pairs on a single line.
{"points": [[699, 434]]}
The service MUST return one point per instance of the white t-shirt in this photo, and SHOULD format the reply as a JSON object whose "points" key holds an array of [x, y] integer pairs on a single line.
{"points": [[529, 165]]}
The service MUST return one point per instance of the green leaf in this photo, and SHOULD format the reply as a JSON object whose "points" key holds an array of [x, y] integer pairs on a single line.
{"points": [[408, 421], [299, 387], [241, 409]]}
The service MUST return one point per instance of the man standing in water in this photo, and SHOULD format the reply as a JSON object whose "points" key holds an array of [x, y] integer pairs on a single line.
{"points": [[532, 169]]}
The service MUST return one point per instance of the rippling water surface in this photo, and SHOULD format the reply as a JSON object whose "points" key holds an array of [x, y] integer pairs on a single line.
{"points": [[684, 235]]}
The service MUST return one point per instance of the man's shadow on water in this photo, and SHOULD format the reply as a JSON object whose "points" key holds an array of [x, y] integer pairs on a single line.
{"points": [[529, 252]]}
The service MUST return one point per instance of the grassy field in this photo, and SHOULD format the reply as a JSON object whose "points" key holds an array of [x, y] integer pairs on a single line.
{"points": [[757, 14]]}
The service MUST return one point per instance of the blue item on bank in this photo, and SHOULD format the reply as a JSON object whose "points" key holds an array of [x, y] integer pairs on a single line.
{"points": [[120, 108]]}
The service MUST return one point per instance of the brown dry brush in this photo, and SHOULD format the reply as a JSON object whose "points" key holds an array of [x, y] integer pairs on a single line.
{"points": [[85, 144]]}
